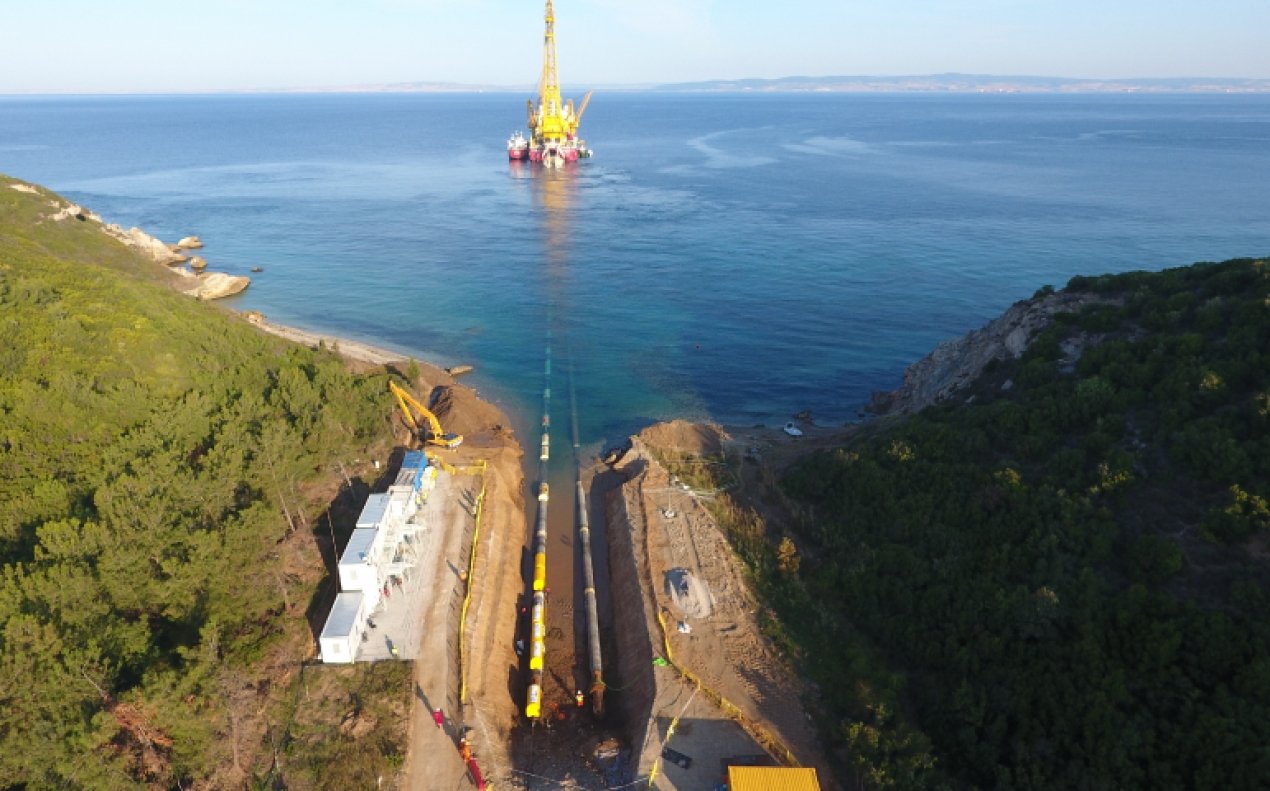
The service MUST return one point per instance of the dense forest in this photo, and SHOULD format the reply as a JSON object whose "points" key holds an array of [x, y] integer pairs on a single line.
{"points": [[155, 455], [1060, 578]]}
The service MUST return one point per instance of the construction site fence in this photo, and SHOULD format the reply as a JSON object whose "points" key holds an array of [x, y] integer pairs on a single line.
{"points": [[765, 738], [477, 510]]}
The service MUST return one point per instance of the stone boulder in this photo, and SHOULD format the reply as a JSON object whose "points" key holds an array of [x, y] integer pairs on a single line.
{"points": [[190, 243], [217, 285], [198, 263]]}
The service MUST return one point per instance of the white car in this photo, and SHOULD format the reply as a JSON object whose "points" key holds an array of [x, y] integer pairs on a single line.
{"points": [[792, 430]]}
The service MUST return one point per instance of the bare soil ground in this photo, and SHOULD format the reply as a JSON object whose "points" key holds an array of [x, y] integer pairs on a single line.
{"points": [[487, 711], [679, 541], [726, 647]]}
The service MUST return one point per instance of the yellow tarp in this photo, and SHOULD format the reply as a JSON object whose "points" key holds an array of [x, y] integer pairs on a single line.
{"points": [[771, 778]]}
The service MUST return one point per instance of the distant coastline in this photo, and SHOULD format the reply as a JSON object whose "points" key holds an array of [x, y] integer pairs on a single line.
{"points": [[918, 83], [977, 83]]}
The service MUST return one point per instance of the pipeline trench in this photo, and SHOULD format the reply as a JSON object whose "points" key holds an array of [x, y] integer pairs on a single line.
{"points": [[565, 611]]}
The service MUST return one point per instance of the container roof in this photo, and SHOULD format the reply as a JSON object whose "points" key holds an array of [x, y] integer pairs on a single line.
{"points": [[343, 615], [406, 477], [359, 546], [771, 778], [374, 510]]}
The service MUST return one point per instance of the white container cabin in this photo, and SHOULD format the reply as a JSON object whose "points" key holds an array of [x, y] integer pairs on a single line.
{"points": [[342, 634], [361, 567], [374, 512]]}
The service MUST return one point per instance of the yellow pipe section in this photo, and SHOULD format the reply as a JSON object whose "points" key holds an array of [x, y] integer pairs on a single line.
{"points": [[533, 705]]}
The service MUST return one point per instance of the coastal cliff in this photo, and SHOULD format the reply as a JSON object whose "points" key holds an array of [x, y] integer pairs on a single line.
{"points": [[954, 364]]}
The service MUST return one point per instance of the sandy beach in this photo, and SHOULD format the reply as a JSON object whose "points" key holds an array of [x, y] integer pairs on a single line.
{"points": [[353, 350]]}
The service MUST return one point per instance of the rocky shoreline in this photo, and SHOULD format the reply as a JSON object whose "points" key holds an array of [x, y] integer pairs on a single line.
{"points": [[205, 286], [955, 364]]}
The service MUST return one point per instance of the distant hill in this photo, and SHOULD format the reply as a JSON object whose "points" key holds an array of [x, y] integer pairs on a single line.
{"points": [[927, 83], [973, 83], [920, 83]]}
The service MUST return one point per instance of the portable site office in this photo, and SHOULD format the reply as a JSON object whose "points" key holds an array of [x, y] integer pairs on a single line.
{"points": [[344, 627], [359, 566]]}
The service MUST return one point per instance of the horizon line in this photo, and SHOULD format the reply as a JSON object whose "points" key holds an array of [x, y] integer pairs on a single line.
{"points": [[1197, 84]]}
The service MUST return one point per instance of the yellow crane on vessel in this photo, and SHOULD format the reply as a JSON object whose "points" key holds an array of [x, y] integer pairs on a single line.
{"points": [[553, 124], [433, 435]]}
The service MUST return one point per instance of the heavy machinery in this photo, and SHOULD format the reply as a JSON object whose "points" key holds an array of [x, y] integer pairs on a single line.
{"points": [[553, 124], [432, 435]]}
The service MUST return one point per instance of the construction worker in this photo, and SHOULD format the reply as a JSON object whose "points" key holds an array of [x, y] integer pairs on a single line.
{"points": [[577, 697]]}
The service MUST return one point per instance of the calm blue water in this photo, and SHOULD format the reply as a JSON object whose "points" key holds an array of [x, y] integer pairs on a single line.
{"points": [[726, 256]]}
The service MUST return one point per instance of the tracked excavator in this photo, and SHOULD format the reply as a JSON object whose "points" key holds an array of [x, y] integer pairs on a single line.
{"points": [[432, 434]]}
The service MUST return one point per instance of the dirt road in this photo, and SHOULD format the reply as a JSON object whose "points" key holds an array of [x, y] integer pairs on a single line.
{"points": [[472, 690]]}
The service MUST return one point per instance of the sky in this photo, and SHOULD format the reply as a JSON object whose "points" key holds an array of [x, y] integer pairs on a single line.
{"points": [[127, 46]]}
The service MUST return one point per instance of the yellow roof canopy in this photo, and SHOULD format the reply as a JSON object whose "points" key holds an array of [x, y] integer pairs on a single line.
{"points": [[771, 778]]}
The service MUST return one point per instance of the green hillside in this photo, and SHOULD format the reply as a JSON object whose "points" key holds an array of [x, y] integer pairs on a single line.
{"points": [[155, 452], [1062, 580]]}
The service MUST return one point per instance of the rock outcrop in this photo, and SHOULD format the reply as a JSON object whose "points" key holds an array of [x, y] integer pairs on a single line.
{"points": [[955, 364], [217, 285], [144, 242], [206, 285], [68, 212], [198, 263]]}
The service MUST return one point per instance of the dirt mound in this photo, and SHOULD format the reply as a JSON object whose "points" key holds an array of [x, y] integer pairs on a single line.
{"points": [[702, 439], [460, 410]]}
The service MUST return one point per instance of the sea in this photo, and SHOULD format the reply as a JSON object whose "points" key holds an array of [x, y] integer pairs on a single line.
{"points": [[739, 257]]}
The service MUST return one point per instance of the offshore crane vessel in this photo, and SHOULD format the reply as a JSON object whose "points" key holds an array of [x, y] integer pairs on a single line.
{"points": [[553, 124]]}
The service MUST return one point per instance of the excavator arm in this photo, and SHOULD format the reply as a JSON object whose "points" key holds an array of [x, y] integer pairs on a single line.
{"points": [[434, 435], [402, 395]]}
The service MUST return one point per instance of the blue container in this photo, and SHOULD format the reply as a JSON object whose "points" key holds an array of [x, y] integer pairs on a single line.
{"points": [[414, 460]]}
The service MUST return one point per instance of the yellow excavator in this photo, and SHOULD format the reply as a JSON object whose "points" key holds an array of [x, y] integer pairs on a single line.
{"points": [[433, 435]]}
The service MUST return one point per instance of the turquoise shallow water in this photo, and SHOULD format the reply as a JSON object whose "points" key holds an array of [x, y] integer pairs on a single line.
{"points": [[738, 257]]}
